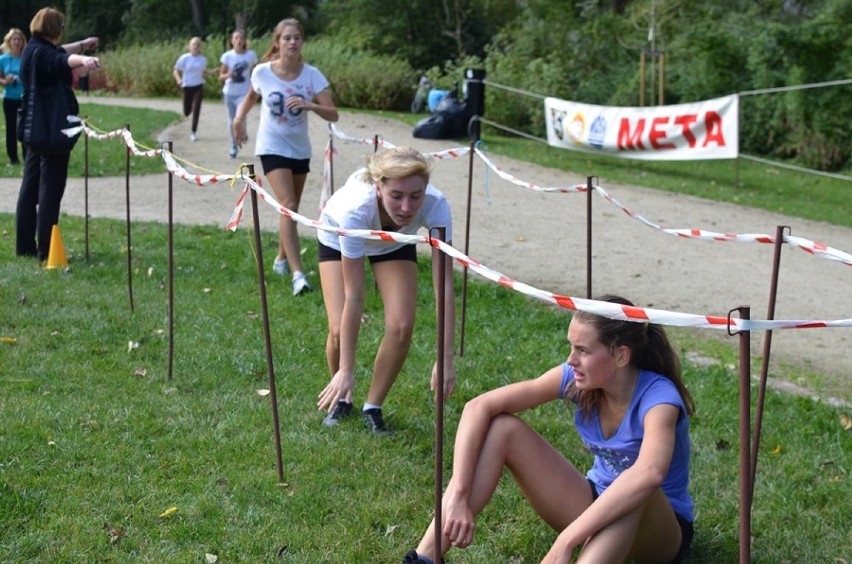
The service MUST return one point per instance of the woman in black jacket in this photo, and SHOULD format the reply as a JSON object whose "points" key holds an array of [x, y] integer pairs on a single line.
{"points": [[47, 65]]}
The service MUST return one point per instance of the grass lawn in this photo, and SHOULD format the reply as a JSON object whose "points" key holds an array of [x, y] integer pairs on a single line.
{"points": [[96, 444]]}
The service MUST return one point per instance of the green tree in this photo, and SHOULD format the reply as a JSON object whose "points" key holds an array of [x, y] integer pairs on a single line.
{"points": [[423, 32]]}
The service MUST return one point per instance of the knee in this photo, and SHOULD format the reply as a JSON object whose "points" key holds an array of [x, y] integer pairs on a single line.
{"points": [[291, 203], [504, 425], [399, 331], [334, 336]]}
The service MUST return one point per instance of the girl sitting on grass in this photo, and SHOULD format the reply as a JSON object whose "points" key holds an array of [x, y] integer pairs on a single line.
{"points": [[631, 409]]}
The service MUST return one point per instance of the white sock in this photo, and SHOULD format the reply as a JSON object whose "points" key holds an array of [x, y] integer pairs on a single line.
{"points": [[370, 406]]}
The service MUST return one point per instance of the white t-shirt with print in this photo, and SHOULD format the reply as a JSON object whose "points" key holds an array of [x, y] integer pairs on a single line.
{"points": [[284, 132], [355, 206], [240, 65]]}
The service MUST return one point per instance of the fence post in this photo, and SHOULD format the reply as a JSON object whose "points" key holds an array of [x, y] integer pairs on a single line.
{"points": [[439, 385], [270, 366], [474, 84], [129, 242]]}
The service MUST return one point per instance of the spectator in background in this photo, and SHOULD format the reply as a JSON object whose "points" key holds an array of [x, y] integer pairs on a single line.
{"points": [[13, 88], [189, 72], [237, 64], [48, 65]]}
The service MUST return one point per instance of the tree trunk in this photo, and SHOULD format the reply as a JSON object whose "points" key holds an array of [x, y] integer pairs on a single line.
{"points": [[198, 16]]}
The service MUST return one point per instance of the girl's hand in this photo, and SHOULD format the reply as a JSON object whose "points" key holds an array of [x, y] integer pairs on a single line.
{"points": [[339, 388], [294, 103], [459, 524], [449, 379], [559, 553], [240, 136]]}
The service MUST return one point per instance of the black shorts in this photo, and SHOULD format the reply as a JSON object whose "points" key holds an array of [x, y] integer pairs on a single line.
{"points": [[687, 530], [406, 252], [274, 162]]}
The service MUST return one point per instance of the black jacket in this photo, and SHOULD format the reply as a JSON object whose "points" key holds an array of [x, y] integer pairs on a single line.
{"points": [[49, 65]]}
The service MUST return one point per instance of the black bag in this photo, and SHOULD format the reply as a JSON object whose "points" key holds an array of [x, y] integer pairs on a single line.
{"points": [[41, 122], [448, 122]]}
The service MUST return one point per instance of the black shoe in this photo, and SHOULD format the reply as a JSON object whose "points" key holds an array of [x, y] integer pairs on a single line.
{"points": [[341, 410], [375, 422], [411, 557]]}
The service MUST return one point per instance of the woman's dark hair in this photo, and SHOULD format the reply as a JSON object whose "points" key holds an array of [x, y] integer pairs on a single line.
{"points": [[649, 350], [48, 23]]}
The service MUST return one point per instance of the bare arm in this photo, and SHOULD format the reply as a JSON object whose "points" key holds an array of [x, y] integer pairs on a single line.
{"points": [[76, 57], [479, 412], [243, 109], [632, 488], [323, 107], [343, 381], [75, 61], [77, 47]]}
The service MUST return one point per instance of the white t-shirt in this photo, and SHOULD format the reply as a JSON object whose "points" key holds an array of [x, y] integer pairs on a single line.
{"points": [[192, 69], [355, 206], [283, 132], [240, 65]]}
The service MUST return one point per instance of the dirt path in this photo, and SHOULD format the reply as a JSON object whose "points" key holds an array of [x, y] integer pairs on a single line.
{"points": [[539, 238]]}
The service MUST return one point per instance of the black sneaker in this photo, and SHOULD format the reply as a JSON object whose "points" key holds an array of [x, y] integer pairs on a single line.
{"points": [[375, 422], [341, 410], [411, 557]]}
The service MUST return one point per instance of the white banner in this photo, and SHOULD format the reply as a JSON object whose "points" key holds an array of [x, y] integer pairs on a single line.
{"points": [[701, 130]]}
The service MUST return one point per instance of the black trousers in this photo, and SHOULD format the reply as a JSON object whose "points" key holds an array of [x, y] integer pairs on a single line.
{"points": [[41, 194], [192, 96], [10, 112]]}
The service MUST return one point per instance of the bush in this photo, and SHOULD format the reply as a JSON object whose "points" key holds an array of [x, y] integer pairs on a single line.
{"points": [[358, 79], [146, 70], [363, 79]]}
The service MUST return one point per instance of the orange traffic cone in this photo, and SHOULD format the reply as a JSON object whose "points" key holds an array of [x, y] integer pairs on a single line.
{"points": [[56, 257]]}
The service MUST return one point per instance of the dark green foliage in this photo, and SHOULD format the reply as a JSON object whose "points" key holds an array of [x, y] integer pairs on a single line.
{"points": [[375, 50], [360, 79]]}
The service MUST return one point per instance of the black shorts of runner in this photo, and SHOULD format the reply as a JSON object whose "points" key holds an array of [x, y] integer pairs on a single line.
{"points": [[274, 162], [687, 530], [406, 252]]}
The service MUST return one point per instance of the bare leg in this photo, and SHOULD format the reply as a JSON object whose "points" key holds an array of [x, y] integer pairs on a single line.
{"points": [[397, 281], [649, 534], [331, 279], [551, 484], [288, 189]]}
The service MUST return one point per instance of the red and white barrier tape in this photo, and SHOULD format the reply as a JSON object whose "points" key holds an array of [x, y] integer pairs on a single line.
{"points": [[606, 309], [438, 155], [199, 179], [528, 185], [815, 248]]}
